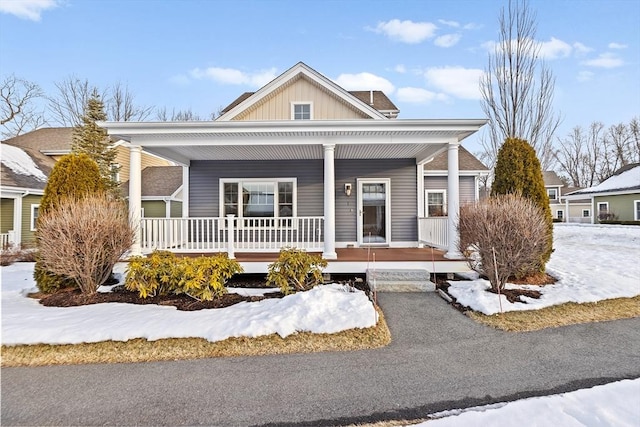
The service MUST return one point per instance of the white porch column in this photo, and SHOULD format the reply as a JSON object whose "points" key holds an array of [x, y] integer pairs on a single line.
{"points": [[453, 200], [185, 191], [17, 220], [135, 195], [420, 200], [329, 203], [566, 209]]}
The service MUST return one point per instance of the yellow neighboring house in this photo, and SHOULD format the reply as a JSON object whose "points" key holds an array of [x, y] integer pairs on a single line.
{"points": [[26, 162]]}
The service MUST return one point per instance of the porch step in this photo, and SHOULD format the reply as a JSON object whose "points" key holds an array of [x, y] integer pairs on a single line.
{"points": [[400, 280]]}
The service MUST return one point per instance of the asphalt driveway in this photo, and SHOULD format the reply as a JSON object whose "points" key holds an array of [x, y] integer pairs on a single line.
{"points": [[439, 359]]}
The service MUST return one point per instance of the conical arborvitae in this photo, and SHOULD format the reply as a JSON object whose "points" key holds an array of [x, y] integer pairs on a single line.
{"points": [[73, 176], [518, 171]]}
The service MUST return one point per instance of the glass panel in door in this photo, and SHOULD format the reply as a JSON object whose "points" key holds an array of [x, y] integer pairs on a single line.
{"points": [[374, 211]]}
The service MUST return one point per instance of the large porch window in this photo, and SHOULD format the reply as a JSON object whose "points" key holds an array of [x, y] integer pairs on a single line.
{"points": [[258, 198]]}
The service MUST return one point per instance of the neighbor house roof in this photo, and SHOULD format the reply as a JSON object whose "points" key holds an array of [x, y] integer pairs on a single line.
{"points": [[552, 179], [44, 139], [158, 181], [466, 162], [625, 179], [24, 168]]}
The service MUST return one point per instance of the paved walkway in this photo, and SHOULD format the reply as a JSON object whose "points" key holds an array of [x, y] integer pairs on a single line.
{"points": [[439, 359]]}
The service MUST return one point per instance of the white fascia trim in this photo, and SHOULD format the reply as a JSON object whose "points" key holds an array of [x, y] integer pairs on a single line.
{"points": [[15, 192], [56, 152], [461, 173], [301, 68], [174, 195]]}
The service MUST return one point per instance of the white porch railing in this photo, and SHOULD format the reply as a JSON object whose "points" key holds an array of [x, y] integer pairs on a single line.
{"points": [[231, 234], [4, 241], [434, 231]]}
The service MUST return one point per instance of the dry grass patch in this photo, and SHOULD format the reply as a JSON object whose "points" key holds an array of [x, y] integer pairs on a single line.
{"points": [[141, 350], [561, 315]]}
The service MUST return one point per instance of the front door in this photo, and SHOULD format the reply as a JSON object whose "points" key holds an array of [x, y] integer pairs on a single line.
{"points": [[374, 213]]}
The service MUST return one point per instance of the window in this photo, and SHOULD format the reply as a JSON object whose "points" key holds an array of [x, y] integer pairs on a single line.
{"points": [[436, 203], [258, 198], [636, 210], [115, 172], [301, 111], [552, 193], [603, 211], [560, 214], [586, 213], [35, 211]]}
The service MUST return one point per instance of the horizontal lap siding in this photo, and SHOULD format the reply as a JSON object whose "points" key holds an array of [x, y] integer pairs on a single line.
{"points": [[205, 175], [6, 215], [402, 173], [467, 186]]}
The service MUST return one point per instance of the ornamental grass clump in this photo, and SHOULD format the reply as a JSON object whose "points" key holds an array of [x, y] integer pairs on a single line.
{"points": [[502, 237], [296, 270]]}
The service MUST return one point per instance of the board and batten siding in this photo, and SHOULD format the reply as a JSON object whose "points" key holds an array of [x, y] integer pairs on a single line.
{"points": [[205, 175], [467, 186], [401, 172], [325, 106]]}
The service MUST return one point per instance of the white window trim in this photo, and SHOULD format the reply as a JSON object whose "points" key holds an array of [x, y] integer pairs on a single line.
{"points": [[555, 190], [588, 211], [117, 174], [32, 219], [426, 202], [635, 210], [293, 109], [387, 223], [275, 181], [560, 214], [602, 203]]}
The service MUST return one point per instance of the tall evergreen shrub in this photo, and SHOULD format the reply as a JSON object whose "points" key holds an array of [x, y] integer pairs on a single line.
{"points": [[518, 172], [73, 176]]}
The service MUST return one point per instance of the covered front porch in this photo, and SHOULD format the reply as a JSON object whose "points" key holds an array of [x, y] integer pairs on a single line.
{"points": [[353, 184]]}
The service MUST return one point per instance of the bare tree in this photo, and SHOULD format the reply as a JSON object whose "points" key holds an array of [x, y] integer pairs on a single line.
{"points": [[121, 106], [187, 115], [67, 105], [517, 88], [18, 112]]}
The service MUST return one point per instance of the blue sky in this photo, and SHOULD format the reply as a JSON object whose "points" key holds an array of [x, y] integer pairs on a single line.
{"points": [[426, 55]]}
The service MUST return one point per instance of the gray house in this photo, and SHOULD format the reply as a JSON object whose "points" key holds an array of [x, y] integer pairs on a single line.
{"points": [[304, 163]]}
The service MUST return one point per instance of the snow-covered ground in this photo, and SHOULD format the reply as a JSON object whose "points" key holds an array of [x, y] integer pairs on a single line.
{"points": [[592, 263], [615, 404], [324, 309]]}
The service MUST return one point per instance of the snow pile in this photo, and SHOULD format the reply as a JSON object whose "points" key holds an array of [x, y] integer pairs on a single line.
{"points": [[592, 263], [20, 162], [324, 309], [614, 404]]}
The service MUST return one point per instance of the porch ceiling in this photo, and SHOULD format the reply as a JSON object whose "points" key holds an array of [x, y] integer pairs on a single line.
{"points": [[294, 152]]}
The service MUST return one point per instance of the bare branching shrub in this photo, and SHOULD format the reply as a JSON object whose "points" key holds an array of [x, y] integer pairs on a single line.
{"points": [[82, 239], [509, 226]]}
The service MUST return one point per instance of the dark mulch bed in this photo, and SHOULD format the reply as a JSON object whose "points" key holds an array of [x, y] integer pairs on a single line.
{"points": [[73, 297]]}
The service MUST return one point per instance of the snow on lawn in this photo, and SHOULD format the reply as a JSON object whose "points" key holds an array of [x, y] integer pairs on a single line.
{"points": [[614, 404], [592, 263], [324, 309]]}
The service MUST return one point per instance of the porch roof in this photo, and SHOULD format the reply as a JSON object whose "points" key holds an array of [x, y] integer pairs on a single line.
{"points": [[303, 139]]}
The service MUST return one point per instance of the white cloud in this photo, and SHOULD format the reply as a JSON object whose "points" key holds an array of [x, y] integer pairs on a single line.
{"points": [[617, 46], [416, 95], [447, 40], [232, 76], [406, 31], [400, 68], [472, 26], [585, 76], [453, 24], [554, 49], [605, 60], [457, 81], [581, 49], [27, 9], [179, 79], [365, 81]]}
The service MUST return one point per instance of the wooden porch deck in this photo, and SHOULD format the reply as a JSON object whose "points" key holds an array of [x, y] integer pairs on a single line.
{"points": [[357, 260]]}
